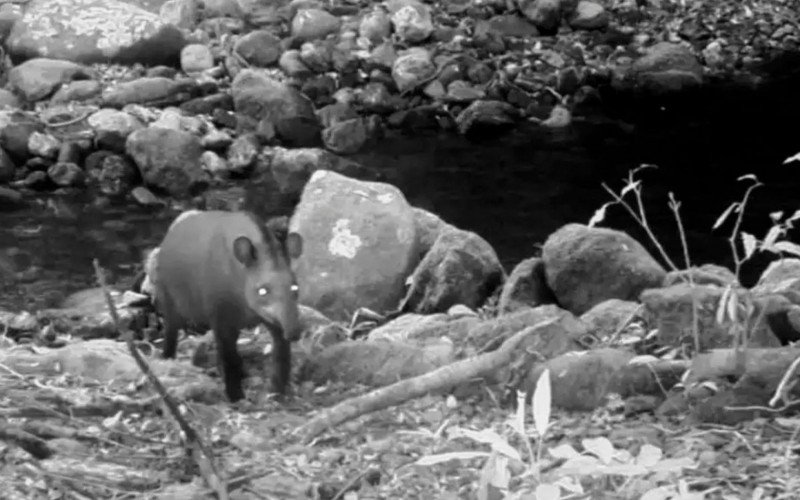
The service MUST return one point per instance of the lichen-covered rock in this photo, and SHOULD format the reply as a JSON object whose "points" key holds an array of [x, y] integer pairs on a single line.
{"points": [[359, 244], [92, 31], [585, 266]]}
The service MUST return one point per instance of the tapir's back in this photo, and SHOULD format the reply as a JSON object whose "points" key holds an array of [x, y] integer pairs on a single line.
{"points": [[196, 267]]}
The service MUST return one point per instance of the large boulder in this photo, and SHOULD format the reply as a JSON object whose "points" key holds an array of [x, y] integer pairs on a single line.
{"points": [[359, 244], [587, 265], [90, 31]]}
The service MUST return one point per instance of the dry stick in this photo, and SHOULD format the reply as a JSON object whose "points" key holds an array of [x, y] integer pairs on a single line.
{"points": [[675, 206], [445, 376], [200, 452]]}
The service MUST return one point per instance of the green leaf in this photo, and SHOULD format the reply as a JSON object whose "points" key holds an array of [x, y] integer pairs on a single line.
{"points": [[600, 447], [541, 403], [721, 219], [547, 492], [750, 244], [599, 215]]}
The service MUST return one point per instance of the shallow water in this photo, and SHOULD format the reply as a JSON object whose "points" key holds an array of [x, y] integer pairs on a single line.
{"points": [[514, 191]]}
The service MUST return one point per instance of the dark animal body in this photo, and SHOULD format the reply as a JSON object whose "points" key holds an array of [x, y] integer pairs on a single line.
{"points": [[227, 271]]}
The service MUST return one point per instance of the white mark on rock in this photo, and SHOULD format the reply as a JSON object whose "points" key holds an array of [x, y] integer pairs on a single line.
{"points": [[385, 198], [344, 243]]}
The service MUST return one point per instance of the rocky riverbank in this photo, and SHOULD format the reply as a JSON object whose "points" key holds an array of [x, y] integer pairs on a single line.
{"points": [[284, 88]]}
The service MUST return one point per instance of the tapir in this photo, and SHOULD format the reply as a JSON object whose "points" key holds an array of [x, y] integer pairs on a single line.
{"points": [[227, 271]]}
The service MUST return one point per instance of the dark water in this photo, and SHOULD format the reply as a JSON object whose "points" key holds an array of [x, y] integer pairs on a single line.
{"points": [[514, 190]]}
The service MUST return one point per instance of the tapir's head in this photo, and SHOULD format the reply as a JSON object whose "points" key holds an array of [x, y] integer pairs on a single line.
{"points": [[270, 287]]}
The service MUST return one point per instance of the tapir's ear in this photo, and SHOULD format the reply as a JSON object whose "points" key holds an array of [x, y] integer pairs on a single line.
{"points": [[244, 251], [294, 245]]}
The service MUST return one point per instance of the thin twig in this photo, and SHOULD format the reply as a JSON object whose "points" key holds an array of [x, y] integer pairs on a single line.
{"points": [[200, 452]]}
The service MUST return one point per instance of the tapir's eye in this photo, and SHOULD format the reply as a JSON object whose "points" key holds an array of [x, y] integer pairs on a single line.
{"points": [[295, 289], [262, 291]]}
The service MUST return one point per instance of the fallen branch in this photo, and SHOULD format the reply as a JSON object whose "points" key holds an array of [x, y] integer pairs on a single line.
{"points": [[199, 451], [441, 378]]}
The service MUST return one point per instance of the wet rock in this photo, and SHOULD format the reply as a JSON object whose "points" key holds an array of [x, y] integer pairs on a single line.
{"points": [[8, 100], [526, 286], [215, 165], [15, 131], [113, 127], [411, 19], [10, 198], [707, 274], [460, 268], [666, 68], [114, 175], [94, 31], [672, 311], [38, 78], [336, 113], [208, 105], [168, 159], [180, 13], [376, 98], [292, 64], [152, 91], [259, 48], [66, 174], [79, 90], [196, 58], [487, 117], [507, 25], [560, 117], [7, 167], [313, 24], [608, 317], [44, 145], [243, 152], [544, 14], [259, 98], [292, 168], [375, 26], [585, 266], [222, 8], [589, 15], [145, 197], [359, 244], [316, 56], [412, 69], [348, 136]]}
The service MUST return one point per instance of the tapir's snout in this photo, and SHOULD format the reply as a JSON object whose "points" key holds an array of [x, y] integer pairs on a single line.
{"points": [[286, 320]]}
